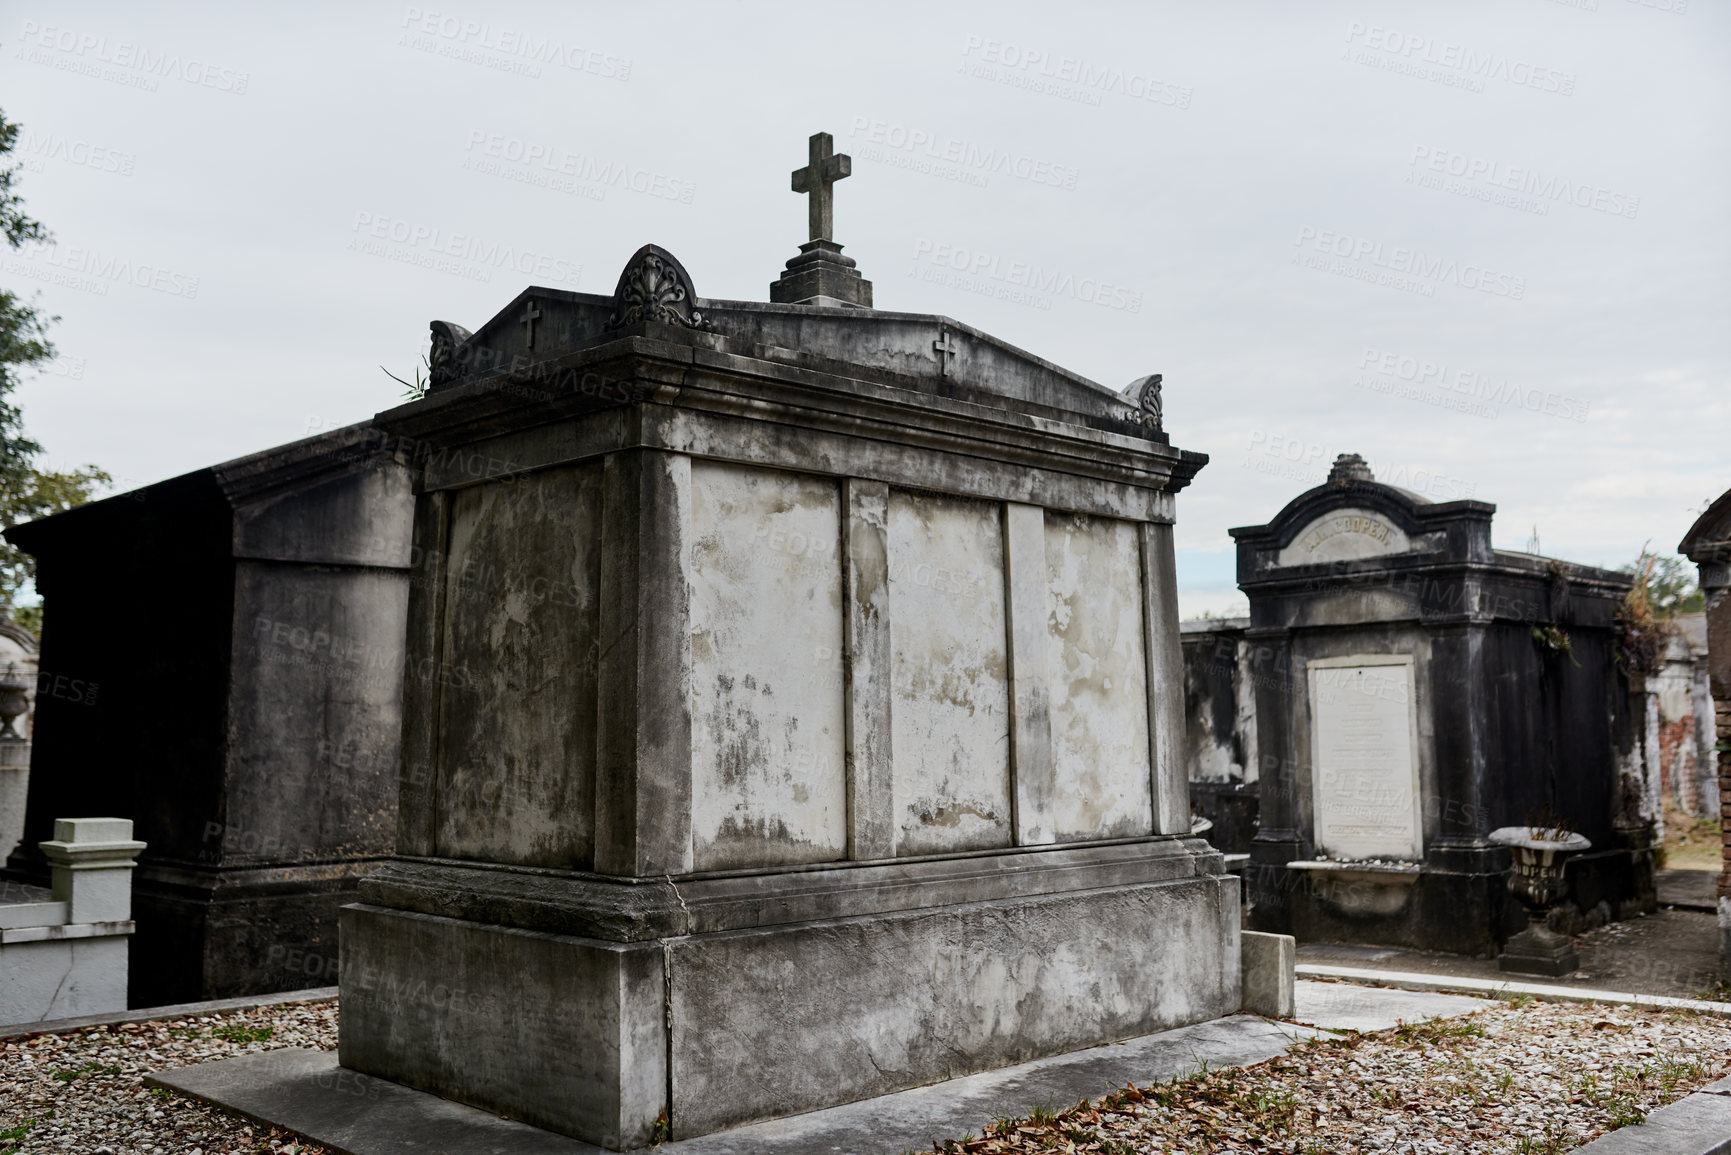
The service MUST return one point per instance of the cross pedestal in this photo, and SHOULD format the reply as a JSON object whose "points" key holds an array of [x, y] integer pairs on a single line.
{"points": [[820, 275]]}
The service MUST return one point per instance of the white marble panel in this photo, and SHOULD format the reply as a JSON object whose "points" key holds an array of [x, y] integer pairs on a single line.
{"points": [[1364, 768], [1097, 671], [950, 710], [769, 779]]}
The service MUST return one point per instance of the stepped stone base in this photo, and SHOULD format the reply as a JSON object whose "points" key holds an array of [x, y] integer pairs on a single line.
{"points": [[756, 1013]]}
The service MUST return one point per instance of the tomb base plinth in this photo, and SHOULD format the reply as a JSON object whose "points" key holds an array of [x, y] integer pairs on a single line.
{"points": [[622, 1010], [1539, 951], [1415, 906]]}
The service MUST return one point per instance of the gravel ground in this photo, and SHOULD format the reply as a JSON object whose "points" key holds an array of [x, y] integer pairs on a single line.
{"points": [[1530, 1078], [1521, 1077], [81, 1094]]}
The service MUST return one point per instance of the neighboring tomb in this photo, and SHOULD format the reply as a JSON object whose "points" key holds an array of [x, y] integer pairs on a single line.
{"points": [[1708, 545], [1416, 689], [1683, 699], [848, 758], [255, 749], [1220, 750], [18, 682]]}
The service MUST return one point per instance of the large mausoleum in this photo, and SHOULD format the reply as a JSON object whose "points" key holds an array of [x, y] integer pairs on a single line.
{"points": [[829, 740]]}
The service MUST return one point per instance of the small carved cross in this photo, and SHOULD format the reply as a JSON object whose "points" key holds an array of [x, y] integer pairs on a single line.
{"points": [[531, 314], [818, 178], [945, 349]]}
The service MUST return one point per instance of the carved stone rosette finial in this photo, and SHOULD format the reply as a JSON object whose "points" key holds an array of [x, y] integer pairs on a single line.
{"points": [[1144, 394], [446, 362], [655, 287]]}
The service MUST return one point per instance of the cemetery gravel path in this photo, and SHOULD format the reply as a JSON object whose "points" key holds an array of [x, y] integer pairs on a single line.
{"points": [[1522, 1077], [1519, 1077], [80, 1093]]}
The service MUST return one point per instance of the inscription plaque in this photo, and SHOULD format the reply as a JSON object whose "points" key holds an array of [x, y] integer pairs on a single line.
{"points": [[1364, 770]]}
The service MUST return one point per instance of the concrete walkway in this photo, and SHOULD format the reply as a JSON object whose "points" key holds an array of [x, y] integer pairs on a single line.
{"points": [[1672, 952], [1503, 988], [1698, 1124], [1687, 889]]}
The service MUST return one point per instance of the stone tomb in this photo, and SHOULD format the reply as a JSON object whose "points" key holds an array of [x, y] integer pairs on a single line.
{"points": [[1708, 545], [849, 756], [253, 745], [1416, 689], [1220, 730]]}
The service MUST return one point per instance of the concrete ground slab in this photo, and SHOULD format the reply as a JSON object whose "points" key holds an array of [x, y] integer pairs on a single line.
{"points": [[1698, 1124], [1674, 952], [354, 1114], [1687, 889], [1347, 1007], [1502, 989]]}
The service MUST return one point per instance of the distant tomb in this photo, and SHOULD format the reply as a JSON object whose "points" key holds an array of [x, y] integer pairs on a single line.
{"points": [[1414, 690], [1708, 545]]}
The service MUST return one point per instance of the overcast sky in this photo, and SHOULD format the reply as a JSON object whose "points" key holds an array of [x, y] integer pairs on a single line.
{"points": [[1484, 245]]}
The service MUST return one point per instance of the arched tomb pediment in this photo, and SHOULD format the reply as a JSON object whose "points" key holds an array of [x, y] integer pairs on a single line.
{"points": [[1345, 535]]}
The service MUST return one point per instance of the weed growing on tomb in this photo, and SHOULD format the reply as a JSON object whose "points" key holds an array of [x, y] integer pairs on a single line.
{"points": [[1641, 628], [416, 389]]}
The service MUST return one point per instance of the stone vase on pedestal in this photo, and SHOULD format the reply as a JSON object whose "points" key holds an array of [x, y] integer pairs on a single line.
{"points": [[1537, 880]]}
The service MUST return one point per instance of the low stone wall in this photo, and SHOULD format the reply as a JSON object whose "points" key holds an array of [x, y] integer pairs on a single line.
{"points": [[63, 952]]}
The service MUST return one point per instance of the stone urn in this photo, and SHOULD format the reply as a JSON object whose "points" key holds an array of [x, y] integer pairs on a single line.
{"points": [[14, 700], [1537, 880]]}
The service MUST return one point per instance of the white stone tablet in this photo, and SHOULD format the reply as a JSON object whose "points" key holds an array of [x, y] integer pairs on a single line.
{"points": [[1364, 757]]}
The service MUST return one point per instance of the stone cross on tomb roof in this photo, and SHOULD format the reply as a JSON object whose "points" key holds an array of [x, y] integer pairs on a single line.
{"points": [[824, 167], [820, 275]]}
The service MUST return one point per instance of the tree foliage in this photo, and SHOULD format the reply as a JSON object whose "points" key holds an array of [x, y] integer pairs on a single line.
{"points": [[26, 492]]}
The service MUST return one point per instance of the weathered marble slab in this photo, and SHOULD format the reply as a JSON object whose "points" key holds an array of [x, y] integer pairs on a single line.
{"points": [[769, 781], [517, 761], [1097, 671], [950, 737]]}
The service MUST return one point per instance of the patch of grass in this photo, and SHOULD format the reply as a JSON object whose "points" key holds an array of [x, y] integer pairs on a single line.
{"points": [[1625, 1113], [10, 1137], [1439, 1031], [1553, 1141], [67, 1074], [240, 1034]]}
